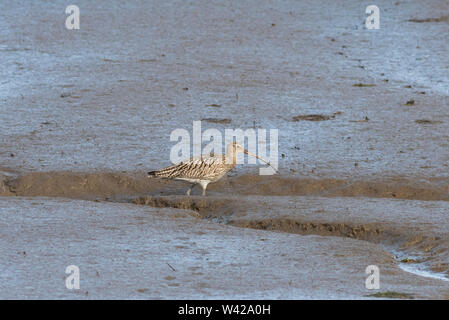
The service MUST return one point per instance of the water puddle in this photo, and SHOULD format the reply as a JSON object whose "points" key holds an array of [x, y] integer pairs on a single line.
{"points": [[418, 268]]}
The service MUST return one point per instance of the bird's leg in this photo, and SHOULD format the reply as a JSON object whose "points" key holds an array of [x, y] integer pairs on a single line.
{"points": [[204, 186], [190, 189]]}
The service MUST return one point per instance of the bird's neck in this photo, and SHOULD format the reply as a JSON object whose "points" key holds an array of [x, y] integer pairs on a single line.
{"points": [[231, 155]]}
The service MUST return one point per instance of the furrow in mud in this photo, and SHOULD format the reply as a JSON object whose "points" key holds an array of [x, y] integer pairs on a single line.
{"points": [[423, 241]]}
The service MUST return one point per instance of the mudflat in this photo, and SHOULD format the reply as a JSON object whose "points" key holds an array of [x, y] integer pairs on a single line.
{"points": [[363, 150]]}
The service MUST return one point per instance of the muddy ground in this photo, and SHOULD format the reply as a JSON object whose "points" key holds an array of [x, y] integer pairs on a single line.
{"points": [[363, 149], [137, 252]]}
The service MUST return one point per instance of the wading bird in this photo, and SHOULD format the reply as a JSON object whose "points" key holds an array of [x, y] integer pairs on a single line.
{"points": [[204, 169]]}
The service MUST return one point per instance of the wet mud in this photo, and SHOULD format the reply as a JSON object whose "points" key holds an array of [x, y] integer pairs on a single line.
{"points": [[363, 149], [388, 213], [426, 238]]}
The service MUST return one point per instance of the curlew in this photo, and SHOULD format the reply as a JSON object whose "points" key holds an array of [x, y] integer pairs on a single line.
{"points": [[204, 169]]}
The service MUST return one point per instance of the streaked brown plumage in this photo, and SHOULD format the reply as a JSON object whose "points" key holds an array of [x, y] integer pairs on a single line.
{"points": [[204, 169]]}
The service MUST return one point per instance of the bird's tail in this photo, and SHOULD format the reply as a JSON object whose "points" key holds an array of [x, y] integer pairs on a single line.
{"points": [[152, 173], [169, 172]]}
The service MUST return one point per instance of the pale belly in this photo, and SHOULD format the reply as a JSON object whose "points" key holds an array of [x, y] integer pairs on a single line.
{"points": [[197, 181]]}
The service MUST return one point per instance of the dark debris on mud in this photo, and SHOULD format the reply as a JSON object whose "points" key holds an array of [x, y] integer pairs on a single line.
{"points": [[440, 19]]}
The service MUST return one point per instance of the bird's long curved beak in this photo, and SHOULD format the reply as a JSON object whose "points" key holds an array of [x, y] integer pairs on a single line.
{"points": [[256, 156]]}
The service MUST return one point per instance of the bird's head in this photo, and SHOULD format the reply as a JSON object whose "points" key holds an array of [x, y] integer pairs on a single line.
{"points": [[237, 148]]}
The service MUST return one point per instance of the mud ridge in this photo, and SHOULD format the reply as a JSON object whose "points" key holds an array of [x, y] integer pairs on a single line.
{"points": [[394, 187], [117, 184], [206, 207], [360, 232], [213, 207]]}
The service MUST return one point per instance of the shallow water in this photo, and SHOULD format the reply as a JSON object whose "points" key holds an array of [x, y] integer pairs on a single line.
{"points": [[419, 268], [423, 273]]}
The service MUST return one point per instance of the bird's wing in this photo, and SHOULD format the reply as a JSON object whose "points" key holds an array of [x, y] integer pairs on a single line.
{"points": [[203, 167]]}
